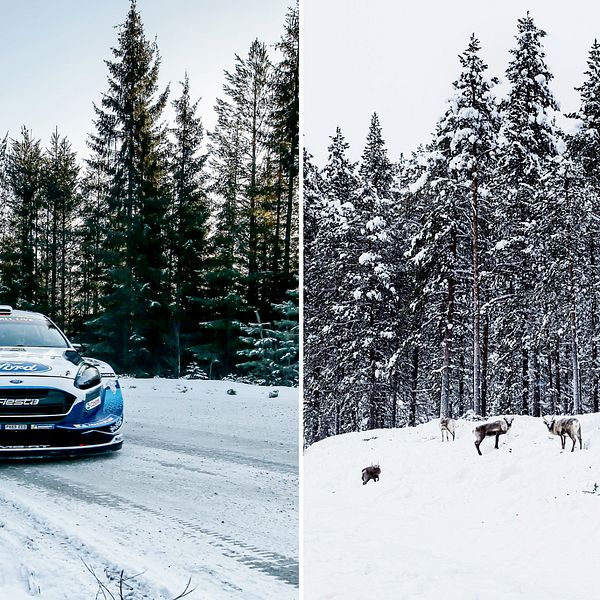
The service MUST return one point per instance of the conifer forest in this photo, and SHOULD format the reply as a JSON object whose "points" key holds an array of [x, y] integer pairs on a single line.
{"points": [[168, 250], [463, 279]]}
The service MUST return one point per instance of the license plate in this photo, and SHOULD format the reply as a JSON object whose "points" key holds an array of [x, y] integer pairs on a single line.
{"points": [[16, 426]]}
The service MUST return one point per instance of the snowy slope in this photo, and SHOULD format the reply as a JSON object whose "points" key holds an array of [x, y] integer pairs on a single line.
{"points": [[205, 487], [442, 522]]}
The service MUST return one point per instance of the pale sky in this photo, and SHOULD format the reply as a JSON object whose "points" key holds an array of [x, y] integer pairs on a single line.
{"points": [[53, 52], [399, 59]]}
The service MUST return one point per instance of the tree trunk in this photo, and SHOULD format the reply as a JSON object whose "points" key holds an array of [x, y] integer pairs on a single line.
{"points": [[414, 378], [534, 382], [448, 334], [558, 382], [476, 298], [525, 382], [484, 364], [593, 324], [550, 385]]}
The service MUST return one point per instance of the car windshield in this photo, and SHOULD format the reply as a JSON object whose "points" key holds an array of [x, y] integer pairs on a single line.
{"points": [[28, 331]]}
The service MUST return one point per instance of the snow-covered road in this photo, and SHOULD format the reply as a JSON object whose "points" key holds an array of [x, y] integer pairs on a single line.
{"points": [[205, 487]]}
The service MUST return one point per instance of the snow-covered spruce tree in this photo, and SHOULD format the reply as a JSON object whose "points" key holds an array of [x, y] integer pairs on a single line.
{"points": [[367, 288], [454, 191], [129, 145], [329, 205], [584, 150], [407, 365], [471, 128], [313, 198], [188, 228], [439, 253], [565, 274], [529, 140]]}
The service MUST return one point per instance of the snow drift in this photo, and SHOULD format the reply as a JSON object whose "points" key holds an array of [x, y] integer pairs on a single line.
{"points": [[519, 522]]}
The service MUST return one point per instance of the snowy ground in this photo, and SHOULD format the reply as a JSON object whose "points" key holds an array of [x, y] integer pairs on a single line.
{"points": [[206, 487], [521, 522]]}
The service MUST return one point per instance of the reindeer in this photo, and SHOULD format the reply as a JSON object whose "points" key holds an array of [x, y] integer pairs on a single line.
{"points": [[563, 427], [447, 425], [371, 472], [495, 428]]}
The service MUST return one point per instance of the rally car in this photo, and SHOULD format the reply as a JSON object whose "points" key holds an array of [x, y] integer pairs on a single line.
{"points": [[53, 401]]}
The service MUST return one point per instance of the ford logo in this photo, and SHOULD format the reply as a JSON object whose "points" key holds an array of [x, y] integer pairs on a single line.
{"points": [[23, 367], [16, 381]]}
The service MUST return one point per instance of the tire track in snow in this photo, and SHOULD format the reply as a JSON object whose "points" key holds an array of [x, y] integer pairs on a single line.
{"points": [[212, 453], [47, 538], [270, 563]]}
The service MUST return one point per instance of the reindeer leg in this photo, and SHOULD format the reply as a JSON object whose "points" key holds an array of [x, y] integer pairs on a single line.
{"points": [[497, 438], [453, 436], [477, 446], [573, 439], [563, 440]]}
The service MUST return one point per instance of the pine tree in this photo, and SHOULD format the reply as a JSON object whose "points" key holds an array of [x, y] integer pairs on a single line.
{"points": [[247, 110], [584, 154], [225, 302], [242, 183], [530, 140], [328, 204], [470, 127], [19, 257], [188, 218], [129, 146], [59, 181], [367, 286], [286, 141]]}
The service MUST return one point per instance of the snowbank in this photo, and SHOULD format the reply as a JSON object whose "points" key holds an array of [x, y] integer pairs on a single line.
{"points": [[520, 522]]}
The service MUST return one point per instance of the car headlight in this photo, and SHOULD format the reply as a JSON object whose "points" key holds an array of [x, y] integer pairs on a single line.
{"points": [[87, 377]]}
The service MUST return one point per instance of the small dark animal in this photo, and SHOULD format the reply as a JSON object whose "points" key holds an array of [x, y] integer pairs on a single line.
{"points": [[373, 472], [231, 392], [563, 427], [273, 393], [495, 428], [447, 426]]}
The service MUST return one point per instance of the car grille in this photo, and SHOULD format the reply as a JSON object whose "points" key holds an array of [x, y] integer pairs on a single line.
{"points": [[44, 405]]}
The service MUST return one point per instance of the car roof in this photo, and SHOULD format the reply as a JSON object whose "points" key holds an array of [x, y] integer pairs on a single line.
{"points": [[24, 313]]}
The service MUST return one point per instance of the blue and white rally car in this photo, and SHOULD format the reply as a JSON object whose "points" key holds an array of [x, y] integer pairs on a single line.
{"points": [[53, 401]]}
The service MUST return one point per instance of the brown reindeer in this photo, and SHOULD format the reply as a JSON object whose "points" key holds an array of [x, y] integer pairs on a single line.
{"points": [[447, 426], [563, 427], [373, 472], [495, 428]]}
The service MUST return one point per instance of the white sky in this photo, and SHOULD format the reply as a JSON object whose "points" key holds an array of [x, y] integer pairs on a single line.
{"points": [[399, 59], [53, 53]]}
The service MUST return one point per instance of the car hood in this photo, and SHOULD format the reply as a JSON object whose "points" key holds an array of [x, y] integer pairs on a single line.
{"points": [[43, 362]]}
